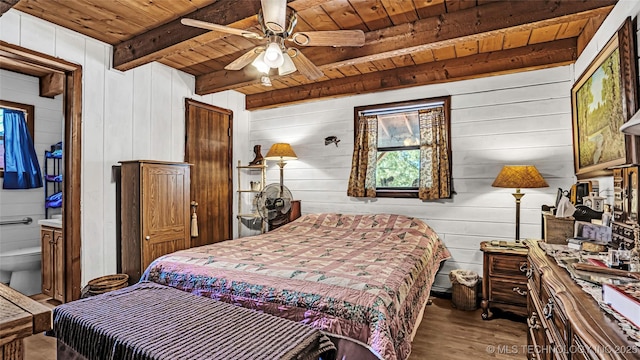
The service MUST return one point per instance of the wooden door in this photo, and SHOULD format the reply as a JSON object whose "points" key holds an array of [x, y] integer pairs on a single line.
{"points": [[46, 237], [208, 146], [165, 214], [58, 266]]}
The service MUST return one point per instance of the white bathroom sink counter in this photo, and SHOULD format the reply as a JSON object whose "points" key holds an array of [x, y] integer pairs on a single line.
{"points": [[56, 223]]}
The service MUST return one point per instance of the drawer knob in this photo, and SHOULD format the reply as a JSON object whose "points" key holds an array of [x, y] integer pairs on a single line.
{"points": [[147, 237], [519, 291], [547, 311], [532, 321]]}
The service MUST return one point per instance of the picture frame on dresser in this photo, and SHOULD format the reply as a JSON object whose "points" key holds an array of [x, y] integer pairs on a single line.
{"points": [[606, 87]]}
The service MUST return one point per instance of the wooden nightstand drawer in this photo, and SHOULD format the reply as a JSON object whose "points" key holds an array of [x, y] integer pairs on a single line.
{"points": [[508, 291], [507, 265]]}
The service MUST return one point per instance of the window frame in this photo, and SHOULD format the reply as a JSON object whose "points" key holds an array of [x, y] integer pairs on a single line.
{"points": [[29, 117], [446, 103]]}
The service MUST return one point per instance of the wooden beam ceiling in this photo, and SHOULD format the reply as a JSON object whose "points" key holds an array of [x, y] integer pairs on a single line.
{"points": [[430, 33], [560, 52], [170, 38]]}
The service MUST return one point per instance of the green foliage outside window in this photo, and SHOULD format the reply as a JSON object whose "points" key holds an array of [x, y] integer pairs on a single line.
{"points": [[398, 169]]}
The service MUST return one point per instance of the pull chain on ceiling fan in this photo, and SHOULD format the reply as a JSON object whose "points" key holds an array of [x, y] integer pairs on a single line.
{"points": [[276, 30]]}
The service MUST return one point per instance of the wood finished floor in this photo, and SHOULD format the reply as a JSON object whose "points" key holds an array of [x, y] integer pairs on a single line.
{"points": [[445, 333]]}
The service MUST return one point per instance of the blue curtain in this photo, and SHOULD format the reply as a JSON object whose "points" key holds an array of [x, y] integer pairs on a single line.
{"points": [[21, 167]]}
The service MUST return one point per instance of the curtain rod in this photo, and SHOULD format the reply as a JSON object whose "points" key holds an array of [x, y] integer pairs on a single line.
{"points": [[13, 108], [400, 109]]}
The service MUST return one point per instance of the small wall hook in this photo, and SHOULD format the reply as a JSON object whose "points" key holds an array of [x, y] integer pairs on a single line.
{"points": [[331, 139]]}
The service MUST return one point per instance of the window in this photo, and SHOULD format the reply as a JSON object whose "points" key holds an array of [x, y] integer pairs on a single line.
{"points": [[402, 150], [28, 110]]}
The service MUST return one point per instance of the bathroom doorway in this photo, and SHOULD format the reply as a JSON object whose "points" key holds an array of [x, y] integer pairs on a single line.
{"points": [[18, 59]]}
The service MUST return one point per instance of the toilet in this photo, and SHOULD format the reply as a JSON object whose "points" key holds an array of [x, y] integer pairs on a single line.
{"points": [[21, 269]]}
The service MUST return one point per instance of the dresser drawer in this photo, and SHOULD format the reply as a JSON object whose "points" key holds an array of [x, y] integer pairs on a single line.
{"points": [[508, 291], [507, 265], [555, 317], [536, 336]]}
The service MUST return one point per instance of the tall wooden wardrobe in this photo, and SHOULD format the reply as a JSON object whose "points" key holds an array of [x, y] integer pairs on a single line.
{"points": [[155, 212]]}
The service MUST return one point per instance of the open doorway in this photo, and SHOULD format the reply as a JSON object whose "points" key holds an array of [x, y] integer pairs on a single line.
{"points": [[18, 59]]}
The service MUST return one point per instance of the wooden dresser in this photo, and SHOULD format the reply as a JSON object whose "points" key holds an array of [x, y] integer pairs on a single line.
{"points": [[155, 212], [564, 321], [504, 284]]}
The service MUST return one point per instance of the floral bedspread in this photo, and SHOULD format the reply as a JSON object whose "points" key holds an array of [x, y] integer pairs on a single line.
{"points": [[364, 277]]}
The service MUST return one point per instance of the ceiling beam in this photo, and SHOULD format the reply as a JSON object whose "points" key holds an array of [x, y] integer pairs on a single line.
{"points": [[5, 5], [434, 32], [168, 38], [174, 37], [544, 55]]}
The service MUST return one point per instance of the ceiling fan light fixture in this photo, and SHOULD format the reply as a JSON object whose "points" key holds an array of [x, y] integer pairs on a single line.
{"points": [[287, 65], [273, 55], [275, 15], [260, 64]]}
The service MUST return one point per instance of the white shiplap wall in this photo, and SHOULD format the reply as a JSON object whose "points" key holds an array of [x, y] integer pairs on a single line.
{"points": [[498, 120], [18, 204], [522, 118], [138, 114], [509, 119]]}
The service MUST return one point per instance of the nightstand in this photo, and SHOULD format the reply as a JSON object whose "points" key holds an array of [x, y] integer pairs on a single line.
{"points": [[504, 282]]}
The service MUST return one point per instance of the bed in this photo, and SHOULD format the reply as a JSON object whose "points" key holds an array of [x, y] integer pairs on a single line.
{"points": [[360, 278]]}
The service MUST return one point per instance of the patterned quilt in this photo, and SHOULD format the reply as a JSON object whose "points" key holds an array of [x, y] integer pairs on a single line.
{"points": [[363, 277]]}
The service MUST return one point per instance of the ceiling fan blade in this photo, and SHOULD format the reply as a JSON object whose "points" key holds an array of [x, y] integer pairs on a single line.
{"points": [[220, 28], [274, 13], [304, 65], [244, 60], [329, 38]]}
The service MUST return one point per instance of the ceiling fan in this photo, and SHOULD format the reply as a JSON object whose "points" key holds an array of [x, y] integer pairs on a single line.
{"points": [[277, 30]]}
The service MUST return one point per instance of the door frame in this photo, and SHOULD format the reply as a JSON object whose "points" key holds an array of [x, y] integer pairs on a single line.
{"points": [[72, 147], [190, 102]]}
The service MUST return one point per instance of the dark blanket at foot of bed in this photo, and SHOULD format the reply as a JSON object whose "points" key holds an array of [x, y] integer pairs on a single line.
{"points": [[148, 321]]}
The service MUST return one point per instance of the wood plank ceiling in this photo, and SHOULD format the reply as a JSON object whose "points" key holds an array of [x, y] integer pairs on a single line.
{"points": [[408, 42]]}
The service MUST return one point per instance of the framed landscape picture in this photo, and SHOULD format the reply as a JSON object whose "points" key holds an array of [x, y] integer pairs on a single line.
{"points": [[604, 98]]}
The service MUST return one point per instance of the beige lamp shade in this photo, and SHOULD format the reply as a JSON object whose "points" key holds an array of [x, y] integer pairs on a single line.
{"points": [[281, 151], [519, 177]]}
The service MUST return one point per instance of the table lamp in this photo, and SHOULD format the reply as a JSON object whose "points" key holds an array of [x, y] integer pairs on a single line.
{"points": [[519, 176], [281, 152]]}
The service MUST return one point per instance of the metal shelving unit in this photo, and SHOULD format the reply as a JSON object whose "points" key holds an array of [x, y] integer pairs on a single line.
{"points": [[250, 216], [53, 178]]}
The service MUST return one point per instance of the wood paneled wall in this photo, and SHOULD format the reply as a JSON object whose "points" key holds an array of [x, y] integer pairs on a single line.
{"points": [[512, 119], [18, 204]]}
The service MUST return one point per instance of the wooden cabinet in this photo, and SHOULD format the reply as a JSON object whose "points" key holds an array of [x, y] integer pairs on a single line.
{"points": [[565, 322], [154, 215], [53, 280], [504, 284], [626, 205]]}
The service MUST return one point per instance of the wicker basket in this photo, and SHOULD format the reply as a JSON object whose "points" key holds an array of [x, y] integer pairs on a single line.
{"points": [[464, 297], [105, 284]]}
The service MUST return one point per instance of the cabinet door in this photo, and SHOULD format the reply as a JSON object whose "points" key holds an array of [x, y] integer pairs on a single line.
{"points": [[46, 238], [165, 211], [58, 268]]}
